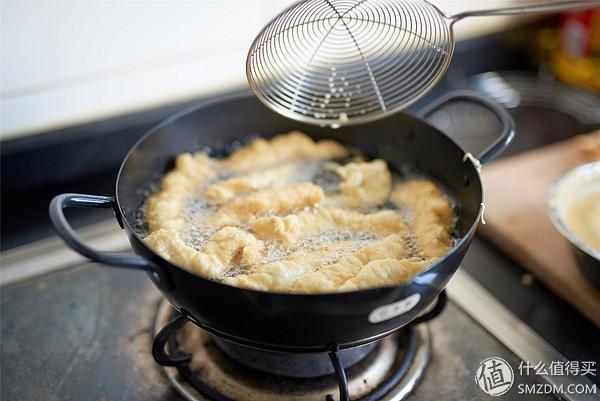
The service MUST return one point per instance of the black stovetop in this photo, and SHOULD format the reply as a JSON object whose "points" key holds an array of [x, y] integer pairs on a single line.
{"points": [[85, 334]]}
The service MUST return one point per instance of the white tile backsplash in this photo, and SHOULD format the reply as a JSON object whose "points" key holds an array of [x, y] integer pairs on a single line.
{"points": [[69, 62]]}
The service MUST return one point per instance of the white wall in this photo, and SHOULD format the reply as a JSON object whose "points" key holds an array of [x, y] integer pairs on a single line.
{"points": [[69, 62]]}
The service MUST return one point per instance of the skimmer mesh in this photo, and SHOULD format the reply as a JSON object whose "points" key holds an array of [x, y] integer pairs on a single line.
{"points": [[340, 62]]}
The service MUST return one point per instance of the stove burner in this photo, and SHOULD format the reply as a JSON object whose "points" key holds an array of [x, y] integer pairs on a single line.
{"points": [[301, 365], [217, 370]]}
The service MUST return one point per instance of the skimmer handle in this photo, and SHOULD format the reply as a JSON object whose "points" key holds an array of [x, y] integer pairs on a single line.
{"points": [[529, 9]]}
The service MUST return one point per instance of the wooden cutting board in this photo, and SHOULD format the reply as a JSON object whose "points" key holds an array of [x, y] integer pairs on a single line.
{"points": [[517, 222]]}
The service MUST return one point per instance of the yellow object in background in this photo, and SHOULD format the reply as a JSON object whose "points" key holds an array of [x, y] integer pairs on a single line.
{"points": [[576, 59]]}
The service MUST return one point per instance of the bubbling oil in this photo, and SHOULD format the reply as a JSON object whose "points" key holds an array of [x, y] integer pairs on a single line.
{"points": [[199, 208], [332, 243]]}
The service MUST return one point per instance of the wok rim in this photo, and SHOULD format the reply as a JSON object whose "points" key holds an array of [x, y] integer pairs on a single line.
{"points": [[242, 94]]}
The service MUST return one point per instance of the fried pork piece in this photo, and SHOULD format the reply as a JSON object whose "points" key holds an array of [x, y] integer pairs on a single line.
{"points": [[262, 153], [165, 208], [279, 275], [363, 185], [430, 215], [276, 200], [294, 227], [385, 272], [227, 190], [227, 247], [330, 277]]}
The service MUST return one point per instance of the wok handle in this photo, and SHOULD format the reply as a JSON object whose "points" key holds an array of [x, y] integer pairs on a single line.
{"points": [[66, 232], [506, 120]]}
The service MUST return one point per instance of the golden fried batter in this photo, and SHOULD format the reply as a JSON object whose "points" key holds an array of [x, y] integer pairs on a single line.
{"points": [[385, 272], [363, 185], [295, 227], [329, 278], [229, 189], [168, 244], [165, 209], [277, 201], [430, 215], [279, 275], [227, 247], [295, 145], [234, 246], [257, 220]]}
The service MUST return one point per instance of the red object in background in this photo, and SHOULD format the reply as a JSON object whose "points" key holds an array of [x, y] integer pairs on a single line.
{"points": [[579, 33], [576, 59]]}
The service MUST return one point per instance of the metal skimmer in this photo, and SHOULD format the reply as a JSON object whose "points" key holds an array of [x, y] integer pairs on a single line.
{"points": [[342, 62]]}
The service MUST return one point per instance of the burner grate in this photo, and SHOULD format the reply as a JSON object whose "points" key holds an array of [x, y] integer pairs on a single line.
{"points": [[392, 368], [406, 363]]}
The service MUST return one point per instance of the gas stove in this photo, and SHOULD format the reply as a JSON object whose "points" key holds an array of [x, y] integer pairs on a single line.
{"points": [[214, 369], [81, 331], [74, 330]]}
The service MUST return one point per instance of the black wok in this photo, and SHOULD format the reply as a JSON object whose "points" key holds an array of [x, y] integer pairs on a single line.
{"points": [[291, 322]]}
